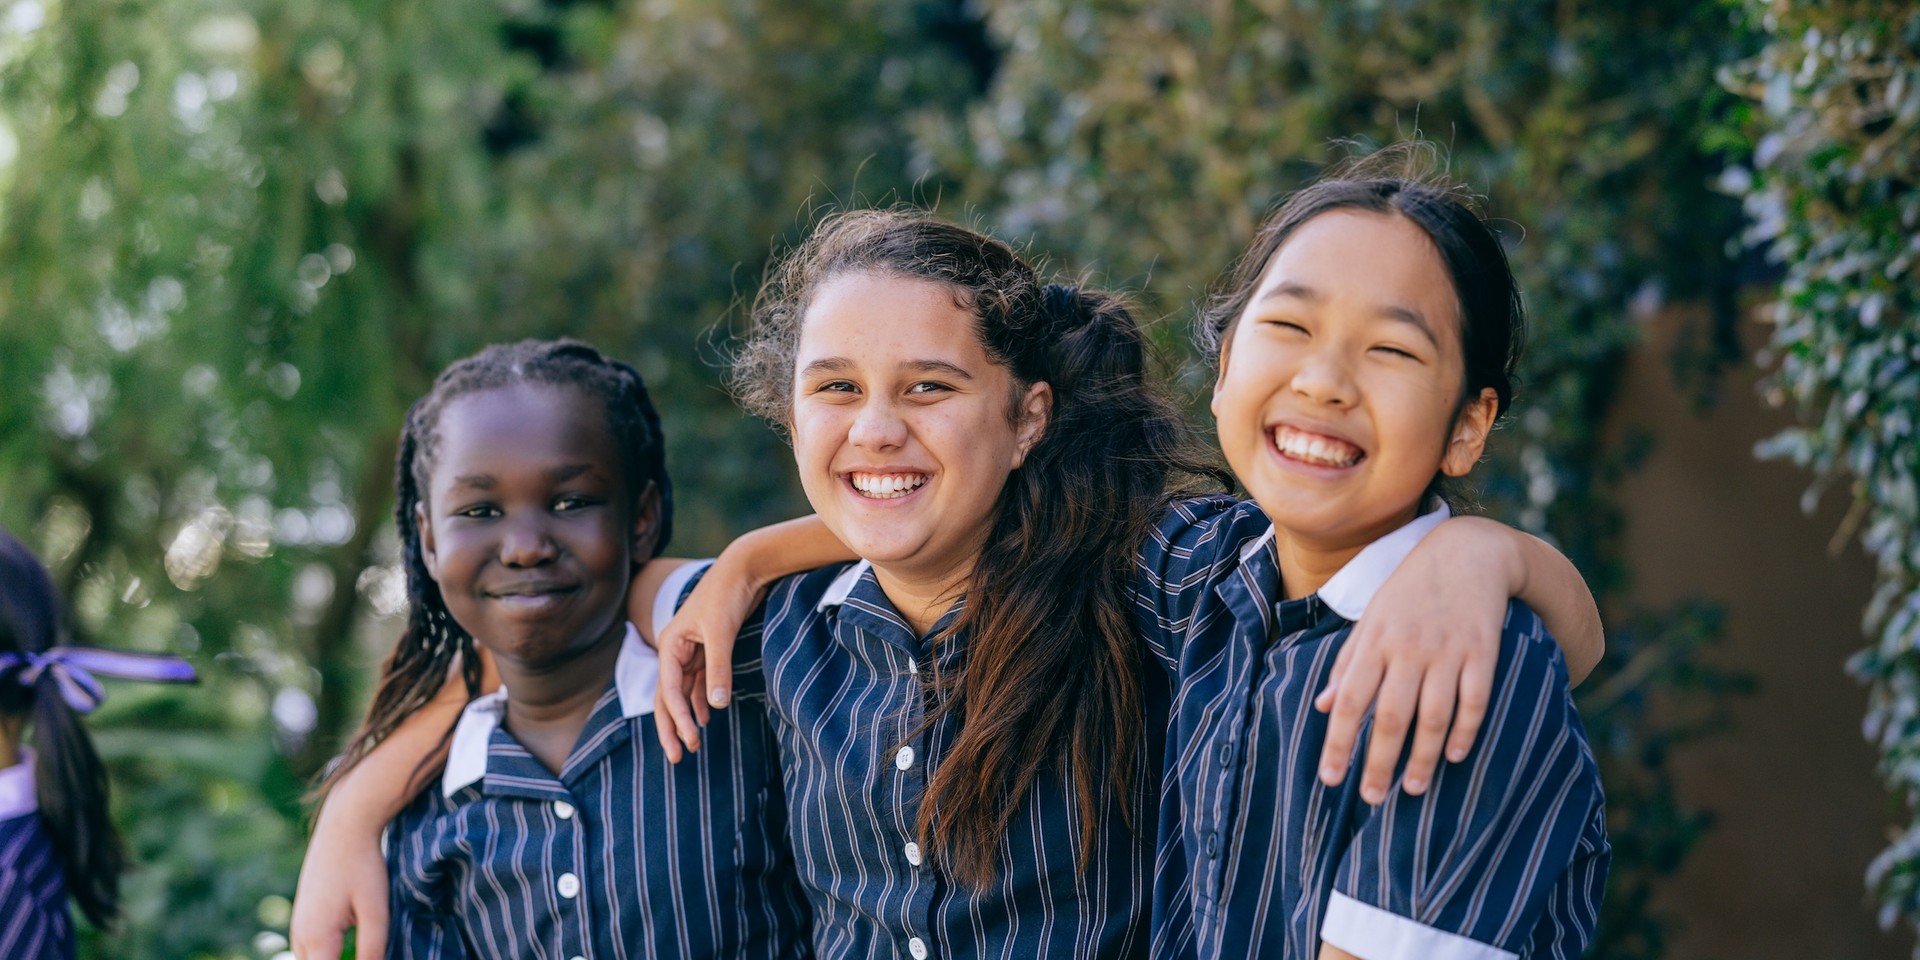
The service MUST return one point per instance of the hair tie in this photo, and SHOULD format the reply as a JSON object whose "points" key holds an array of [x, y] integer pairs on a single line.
{"points": [[1061, 303], [72, 670]]}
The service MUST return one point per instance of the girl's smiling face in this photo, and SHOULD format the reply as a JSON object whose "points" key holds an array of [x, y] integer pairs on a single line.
{"points": [[904, 428], [528, 525], [1339, 385]]}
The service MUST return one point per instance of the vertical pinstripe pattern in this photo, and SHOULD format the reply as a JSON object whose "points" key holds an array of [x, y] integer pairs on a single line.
{"points": [[844, 685], [35, 923], [666, 861], [1507, 848]]}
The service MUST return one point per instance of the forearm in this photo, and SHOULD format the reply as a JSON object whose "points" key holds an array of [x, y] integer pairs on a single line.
{"points": [[382, 783], [759, 557], [1547, 581], [747, 566]]}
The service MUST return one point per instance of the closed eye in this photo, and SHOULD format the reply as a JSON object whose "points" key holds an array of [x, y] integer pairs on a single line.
{"points": [[1286, 325], [1396, 351]]}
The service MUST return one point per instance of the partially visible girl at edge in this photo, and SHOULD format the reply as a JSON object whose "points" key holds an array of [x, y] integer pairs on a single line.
{"points": [[959, 424], [57, 838]]}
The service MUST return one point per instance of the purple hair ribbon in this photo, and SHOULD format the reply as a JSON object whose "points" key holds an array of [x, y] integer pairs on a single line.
{"points": [[72, 670]]}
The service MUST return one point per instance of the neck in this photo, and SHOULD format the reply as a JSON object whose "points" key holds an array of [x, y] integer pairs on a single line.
{"points": [[548, 702], [1308, 561], [10, 727], [921, 597]]}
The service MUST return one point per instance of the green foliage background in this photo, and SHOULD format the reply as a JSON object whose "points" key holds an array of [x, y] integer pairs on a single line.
{"points": [[240, 235], [1832, 193]]}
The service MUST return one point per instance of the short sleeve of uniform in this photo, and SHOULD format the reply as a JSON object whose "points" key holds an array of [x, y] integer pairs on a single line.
{"points": [[1506, 854], [419, 924], [1194, 543], [674, 591]]}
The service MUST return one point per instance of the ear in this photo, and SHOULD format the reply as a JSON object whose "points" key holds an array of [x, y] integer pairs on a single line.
{"points": [[646, 523], [1035, 409], [1470, 432], [428, 554], [1220, 375]]}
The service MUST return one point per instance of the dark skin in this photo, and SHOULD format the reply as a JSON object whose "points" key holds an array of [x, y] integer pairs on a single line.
{"points": [[551, 702], [532, 533]]}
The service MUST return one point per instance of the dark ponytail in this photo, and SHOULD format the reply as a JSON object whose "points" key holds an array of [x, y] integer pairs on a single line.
{"points": [[433, 641], [1051, 677], [69, 781]]}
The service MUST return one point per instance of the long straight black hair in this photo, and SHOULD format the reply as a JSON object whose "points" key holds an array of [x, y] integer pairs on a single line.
{"points": [[1050, 678], [69, 780]]}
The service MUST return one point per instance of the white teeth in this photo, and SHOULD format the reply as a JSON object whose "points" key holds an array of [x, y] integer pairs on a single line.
{"points": [[886, 486], [1324, 451]]}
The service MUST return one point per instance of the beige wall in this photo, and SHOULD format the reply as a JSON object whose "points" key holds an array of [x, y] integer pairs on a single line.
{"points": [[1800, 811]]}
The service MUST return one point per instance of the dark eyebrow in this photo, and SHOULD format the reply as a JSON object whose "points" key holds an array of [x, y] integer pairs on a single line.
{"points": [[939, 366], [1300, 291], [826, 365], [476, 481], [1414, 317], [570, 471], [837, 364]]}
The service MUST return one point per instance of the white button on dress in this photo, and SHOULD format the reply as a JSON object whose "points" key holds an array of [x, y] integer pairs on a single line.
{"points": [[904, 758], [913, 853], [918, 948], [568, 886], [563, 809]]}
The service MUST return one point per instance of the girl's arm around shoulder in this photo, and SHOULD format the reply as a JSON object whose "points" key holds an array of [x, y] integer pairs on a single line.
{"points": [[343, 880], [1423, 655], [696, 645]]}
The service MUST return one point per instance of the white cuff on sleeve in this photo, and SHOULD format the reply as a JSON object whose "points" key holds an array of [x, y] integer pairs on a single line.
{"points": [[1370, 933]]}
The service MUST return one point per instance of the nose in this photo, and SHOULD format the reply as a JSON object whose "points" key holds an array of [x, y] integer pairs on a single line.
{"points": [[1324, 378], [878, 426], [526, 542]]}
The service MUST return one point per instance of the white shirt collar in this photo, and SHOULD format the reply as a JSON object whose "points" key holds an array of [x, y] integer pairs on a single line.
{"points": [[1349, 591], [636, 673], [842, 585], [17, 796]]}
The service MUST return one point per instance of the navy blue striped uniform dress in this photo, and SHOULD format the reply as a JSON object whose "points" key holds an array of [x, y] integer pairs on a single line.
{"points": [[846, 684], [1505, 855], [623, 855], [35, 921]]}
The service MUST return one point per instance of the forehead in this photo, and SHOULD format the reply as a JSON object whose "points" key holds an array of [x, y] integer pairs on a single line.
{"points": [[522, 426], [1370, 261], [877, 321]]}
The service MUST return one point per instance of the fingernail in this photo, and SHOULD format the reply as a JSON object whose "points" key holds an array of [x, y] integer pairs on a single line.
{"points": [[1415, 784], [1457, 754], [1372, 795], [719, 696], [1330, 776]]}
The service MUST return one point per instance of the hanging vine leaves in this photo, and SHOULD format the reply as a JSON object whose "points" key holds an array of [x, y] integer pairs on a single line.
{"points": [[1833, 197]]}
